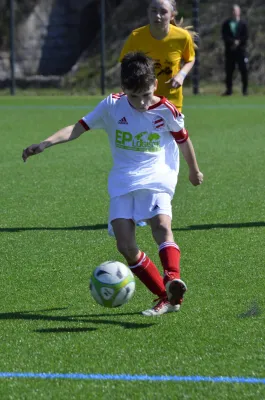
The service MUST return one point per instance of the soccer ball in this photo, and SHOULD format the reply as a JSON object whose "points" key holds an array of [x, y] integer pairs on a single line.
{"points": [[112, 284]]}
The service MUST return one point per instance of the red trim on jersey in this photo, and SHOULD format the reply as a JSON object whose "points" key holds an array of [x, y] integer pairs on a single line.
{"points": [[161, 101], [84, 124], [117, 95], [180, 136], [172, 109], [170, 106]]}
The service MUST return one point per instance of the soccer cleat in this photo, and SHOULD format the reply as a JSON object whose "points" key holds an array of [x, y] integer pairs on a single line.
{"points": [[176, 289], [162, 307]]}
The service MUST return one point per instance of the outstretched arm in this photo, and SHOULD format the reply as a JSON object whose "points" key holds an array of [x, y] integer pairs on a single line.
{"points": [[195, 176], [63, 135]]}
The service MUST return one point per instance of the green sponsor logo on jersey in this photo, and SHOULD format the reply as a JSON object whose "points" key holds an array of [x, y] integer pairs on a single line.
{"points": [[141, 142]]}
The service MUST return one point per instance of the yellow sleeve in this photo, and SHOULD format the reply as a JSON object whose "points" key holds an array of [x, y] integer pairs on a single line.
{"points": [[128, 46], [188, 52]]}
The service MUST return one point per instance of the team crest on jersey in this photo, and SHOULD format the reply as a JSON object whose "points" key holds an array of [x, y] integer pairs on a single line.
{"points": [[158, 122]]}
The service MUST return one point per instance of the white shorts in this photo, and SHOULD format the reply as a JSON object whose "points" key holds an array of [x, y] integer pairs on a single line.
{"points": [[139, 205]]}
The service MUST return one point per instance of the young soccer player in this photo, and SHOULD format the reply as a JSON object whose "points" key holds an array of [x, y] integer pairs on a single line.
{"points": [[168, 44], [144, 132]]}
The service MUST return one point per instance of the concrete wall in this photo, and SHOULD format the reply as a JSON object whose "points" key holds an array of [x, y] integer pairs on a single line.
{"points": [[48, 41]]}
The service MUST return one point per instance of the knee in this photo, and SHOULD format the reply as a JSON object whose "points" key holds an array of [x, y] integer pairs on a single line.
{"points": [[161, 230], [128, 250]]}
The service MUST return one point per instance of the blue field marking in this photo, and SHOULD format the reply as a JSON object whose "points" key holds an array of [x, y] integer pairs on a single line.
{"points": [[132, 378]]}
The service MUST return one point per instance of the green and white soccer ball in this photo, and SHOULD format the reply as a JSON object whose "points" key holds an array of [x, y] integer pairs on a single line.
{"points": [[112, 284]]}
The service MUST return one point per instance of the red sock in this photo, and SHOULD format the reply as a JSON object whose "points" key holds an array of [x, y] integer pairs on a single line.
{"points": [[169, 254], [148, 273]]}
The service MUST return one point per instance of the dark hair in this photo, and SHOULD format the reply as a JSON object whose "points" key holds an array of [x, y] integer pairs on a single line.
{"points": [[137, 71]]}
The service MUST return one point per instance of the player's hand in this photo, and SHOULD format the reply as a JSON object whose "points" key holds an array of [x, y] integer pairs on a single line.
{"points": [[32, 150], [196, 177], [176, 81]]}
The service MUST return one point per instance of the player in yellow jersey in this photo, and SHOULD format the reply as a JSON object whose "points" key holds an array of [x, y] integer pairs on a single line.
{"points": [[168, 45]]}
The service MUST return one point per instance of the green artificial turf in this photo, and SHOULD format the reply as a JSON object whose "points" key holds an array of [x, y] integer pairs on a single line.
{"points": [[54, 212]]}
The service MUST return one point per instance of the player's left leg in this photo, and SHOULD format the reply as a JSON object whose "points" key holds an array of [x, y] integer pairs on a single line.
{"points": [[169, 254], [155, 207]]}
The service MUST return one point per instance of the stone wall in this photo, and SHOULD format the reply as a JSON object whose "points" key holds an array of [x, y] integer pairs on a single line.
{"points": [[48, 41]]}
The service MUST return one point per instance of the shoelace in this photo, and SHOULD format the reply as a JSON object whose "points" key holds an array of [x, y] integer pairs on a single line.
{"points": [[161, 302], [160, 299]]}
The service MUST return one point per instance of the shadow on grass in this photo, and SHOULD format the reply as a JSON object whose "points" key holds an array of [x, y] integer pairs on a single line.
{"points": [[96, 227], [65, 330], [86, 318], [253, 311], [216, 226], [55, 228]]}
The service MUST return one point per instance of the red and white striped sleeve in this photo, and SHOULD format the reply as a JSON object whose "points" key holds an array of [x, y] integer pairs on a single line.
{"points": [[176, 123]]}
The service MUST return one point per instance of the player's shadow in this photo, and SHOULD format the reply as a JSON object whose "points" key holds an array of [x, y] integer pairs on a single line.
{"points": [[65, 330], [56, 228], [257, 224], [95, 319], [238, 225]]}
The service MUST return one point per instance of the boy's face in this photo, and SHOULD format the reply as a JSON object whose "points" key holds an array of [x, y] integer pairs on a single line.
{"points": [[142, 99]]}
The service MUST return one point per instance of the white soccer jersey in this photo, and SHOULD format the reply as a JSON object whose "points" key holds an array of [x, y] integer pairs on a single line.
{"points": [[143, 144]]}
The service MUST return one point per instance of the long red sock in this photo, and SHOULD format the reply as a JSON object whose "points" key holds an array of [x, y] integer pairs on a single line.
{"points": [[169, 254], [148, 273]]}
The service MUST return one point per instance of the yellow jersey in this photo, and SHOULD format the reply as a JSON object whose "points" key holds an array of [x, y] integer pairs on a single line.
{"points": [[167, 54]]}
